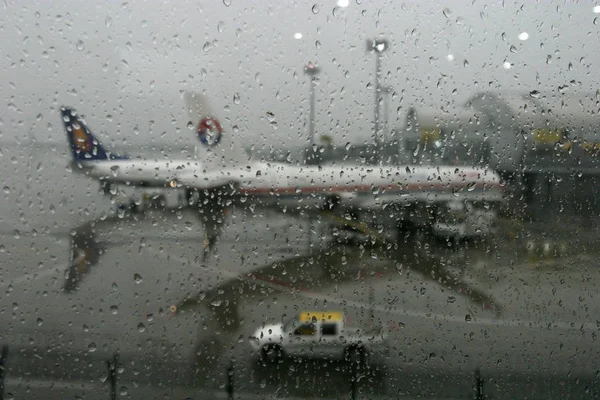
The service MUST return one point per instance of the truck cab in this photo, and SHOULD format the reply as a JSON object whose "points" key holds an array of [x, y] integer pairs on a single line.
{"points": [[313, 334]]}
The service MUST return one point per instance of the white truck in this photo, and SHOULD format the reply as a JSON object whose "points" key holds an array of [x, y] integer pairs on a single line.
{"points": [[316, 334]]}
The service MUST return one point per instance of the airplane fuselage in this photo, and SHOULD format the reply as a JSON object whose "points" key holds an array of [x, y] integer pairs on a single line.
{"points": [[153, 173], [356, 186]]}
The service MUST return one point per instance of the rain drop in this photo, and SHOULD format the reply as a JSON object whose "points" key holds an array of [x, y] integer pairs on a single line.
{"points": [[39, 322], [468, 318], [141, 327], [220, 26], [315, 9], [114, 310], [6, 189], [79, 45], [236, 98], [92, 347], [108, 22], [137, 278], [227, 2], [447, 13]]}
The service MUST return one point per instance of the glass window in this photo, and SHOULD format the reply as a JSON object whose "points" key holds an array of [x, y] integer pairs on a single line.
{"points": [[306, 330], [186, 184], [329, 329]]}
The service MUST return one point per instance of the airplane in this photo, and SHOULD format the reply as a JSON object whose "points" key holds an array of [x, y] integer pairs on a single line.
{"points": [[223, 175]]}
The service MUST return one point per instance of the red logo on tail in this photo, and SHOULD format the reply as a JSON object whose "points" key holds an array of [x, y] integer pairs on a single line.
{"points": [[209, 131]]}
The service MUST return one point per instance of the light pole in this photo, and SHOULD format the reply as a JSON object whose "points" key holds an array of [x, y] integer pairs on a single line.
{"points": [[378, 46], [386, 91], [312, 70]]}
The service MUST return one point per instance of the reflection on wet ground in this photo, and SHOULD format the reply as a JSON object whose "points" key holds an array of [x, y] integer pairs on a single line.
{"points": [[439, 299]]}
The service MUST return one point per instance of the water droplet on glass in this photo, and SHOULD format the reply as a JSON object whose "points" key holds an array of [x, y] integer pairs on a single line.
{"points": [[447, 13], [236, 98], [216, 303], [315, 9], [137, 278], [318, 44], [40, 322], [468, 318], [6, 189], [221, 26], [79, 45], [513, 49], [227, 2], [92, 347], [108, 22], [548, 59], [535, 94], [207, 46], [114, 309], [141, 327]]}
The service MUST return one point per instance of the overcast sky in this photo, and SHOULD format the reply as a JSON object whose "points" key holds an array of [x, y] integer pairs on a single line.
{"points": [[124, 64]]}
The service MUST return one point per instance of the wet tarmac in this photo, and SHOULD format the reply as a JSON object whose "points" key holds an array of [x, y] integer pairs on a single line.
{"points": [[91, 302]]}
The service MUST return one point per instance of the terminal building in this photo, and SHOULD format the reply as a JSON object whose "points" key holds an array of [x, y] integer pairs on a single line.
{"points": [[546, 147]]}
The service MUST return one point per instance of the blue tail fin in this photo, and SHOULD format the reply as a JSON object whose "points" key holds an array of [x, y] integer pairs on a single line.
{"points": [[84, 146]]}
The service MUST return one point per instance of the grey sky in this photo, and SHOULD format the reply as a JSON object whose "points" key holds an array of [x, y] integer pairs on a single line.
{"points": [[130, 60]]}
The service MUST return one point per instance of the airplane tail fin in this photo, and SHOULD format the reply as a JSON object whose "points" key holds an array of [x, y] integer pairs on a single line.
{"points": [[84, 146], [218, 147]]}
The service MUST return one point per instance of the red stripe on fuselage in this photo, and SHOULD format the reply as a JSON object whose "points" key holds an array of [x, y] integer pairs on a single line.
{"points": [[362, 188]]}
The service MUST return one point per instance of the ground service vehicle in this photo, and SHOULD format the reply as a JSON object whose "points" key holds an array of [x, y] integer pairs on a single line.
{"points": [[317, 334]]}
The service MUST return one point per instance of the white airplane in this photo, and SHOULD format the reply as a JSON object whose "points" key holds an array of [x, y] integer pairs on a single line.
{"points": [[223, 170]]}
